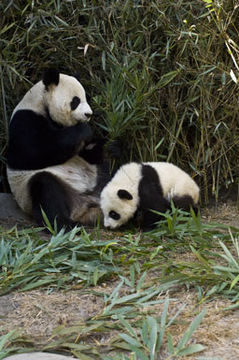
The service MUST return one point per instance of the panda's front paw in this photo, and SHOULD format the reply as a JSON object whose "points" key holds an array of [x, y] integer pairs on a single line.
{"points": [[93, 151], [115, 148], [84, 131]]}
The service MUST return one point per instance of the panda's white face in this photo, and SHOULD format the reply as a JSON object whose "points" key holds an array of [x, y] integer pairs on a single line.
{"points": [[119, 199], [118, 206], [67, 102]]}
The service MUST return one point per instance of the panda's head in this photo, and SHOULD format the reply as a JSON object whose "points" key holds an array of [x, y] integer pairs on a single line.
{"points": [[119, 199], [118, 206], [65, 99]]}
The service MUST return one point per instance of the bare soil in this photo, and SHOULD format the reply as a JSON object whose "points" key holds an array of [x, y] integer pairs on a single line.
{"points": [[39, 312]]}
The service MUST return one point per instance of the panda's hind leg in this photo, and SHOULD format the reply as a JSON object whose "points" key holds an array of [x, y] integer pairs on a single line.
{"points": [[185, 203], [49, 194]]}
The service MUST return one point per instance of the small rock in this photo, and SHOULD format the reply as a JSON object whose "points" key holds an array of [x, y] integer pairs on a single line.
{"points": [[9, 207], [10, 212]]}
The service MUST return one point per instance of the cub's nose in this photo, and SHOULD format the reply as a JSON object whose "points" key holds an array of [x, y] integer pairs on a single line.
{"points": [[88, 115]]}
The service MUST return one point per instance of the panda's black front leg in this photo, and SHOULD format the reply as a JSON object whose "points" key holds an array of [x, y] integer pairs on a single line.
{"points": [[93, 151], [36, 142], [70, 139], [50, 195], [63, 144], [157, 203]]}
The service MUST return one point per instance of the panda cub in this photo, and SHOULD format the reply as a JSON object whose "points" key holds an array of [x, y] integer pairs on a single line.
{"points": [[51, 163], [142, 187]]}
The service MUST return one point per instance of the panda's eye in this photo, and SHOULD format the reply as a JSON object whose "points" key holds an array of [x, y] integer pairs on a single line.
{"points": [[75, 102], [114, 215]]}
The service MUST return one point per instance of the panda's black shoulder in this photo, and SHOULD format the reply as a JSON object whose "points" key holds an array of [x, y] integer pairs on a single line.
{"points": [[149, 181], [149, 174]]}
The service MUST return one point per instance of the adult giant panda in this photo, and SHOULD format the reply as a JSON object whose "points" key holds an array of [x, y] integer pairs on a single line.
{"points": [[142, 187], [51, 164]]}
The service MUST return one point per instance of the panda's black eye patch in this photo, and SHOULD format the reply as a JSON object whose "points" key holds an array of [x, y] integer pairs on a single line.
{"points": [[75, 102], [114, 215]]}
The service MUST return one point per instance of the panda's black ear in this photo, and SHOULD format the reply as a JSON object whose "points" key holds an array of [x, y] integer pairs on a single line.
{"points": [[124, 194], [77, 76], [51, 77]]}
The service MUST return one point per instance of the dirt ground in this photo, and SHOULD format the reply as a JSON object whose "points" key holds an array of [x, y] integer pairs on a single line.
{"points": [[39, 312]]}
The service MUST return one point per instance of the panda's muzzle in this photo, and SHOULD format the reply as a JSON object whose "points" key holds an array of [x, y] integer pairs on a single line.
{"points": [[88, 115]]}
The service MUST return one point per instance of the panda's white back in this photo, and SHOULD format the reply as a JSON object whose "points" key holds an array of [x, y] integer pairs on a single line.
{"points": [[175, 181], [32, 100]]}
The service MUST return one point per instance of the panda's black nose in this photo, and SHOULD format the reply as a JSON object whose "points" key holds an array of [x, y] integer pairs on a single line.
{"points": [[88, 115]]}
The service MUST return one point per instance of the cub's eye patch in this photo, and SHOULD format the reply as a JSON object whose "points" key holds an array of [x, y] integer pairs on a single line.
{"points": [[75, 102], [114, 215]]}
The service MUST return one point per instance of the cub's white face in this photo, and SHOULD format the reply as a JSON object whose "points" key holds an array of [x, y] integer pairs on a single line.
{"points": [[118, 206], [67, 102]]}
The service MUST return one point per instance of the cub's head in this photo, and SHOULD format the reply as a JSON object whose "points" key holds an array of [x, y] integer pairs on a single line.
{"points": [[118, 206], [65, 98]]}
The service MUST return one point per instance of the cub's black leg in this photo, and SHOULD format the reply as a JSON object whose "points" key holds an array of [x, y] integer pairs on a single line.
{"points": [[49, 194], [185, 203], [149, 218]]}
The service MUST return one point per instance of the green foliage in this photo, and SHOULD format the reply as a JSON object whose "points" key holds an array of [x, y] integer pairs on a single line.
{"points": [[146, 266], [162, 75], [27, 261], [214, 269]]}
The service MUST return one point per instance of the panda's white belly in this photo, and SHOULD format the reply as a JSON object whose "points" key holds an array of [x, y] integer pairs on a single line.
{"points": [[76, 172]]}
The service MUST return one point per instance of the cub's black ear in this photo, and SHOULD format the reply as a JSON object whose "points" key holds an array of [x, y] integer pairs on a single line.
{"points": [[77, 75], [124, 194], [51, 77]]}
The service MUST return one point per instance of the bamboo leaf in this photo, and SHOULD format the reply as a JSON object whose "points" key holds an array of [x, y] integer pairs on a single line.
{"points": [[191, 349], [127, 325], [188, 333], [153, 326], [167, 78], [132, 341], [170, 344]]}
